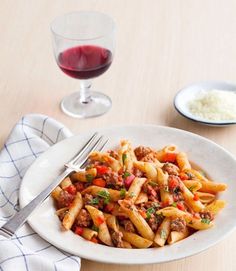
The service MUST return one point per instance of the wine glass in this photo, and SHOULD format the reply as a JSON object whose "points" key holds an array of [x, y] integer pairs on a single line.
{"points": [[84, 44]]}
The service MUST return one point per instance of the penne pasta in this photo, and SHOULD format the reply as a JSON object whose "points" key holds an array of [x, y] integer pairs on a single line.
{"points": [[111, 222], [139, 222], [65, 183], [215, 206], [207, 186], [88, 234], [73, 211], [148, 168], [126, 155], [94, 190], [190, 200], [135, 189], [142, 198], [126, 244], [176, 236], [205, 198], [193, 185], [182, 161], [162, 180], [162, 232], [169, 149], [56, 193], [62, 212], [105, 158], [212, 187], [117, 211], [84, 175], [100, 222], [197, 174], [170, 211], [193, 222], [197, 224], [135, 240]]}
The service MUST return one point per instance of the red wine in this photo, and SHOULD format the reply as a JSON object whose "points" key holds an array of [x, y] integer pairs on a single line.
{"points": [[84, 62]]}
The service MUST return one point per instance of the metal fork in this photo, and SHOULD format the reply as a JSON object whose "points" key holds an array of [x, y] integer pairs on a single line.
{"points": [[76, 163]]}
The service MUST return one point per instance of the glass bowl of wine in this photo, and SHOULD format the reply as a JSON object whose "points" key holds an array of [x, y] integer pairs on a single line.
{"points": [[84, 45]]}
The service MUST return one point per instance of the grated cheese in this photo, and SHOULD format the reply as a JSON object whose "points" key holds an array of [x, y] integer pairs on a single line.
{"points": [[214, 105]]}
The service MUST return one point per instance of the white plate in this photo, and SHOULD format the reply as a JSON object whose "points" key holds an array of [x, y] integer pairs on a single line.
{"points": [[186, 94], [217, 162]]}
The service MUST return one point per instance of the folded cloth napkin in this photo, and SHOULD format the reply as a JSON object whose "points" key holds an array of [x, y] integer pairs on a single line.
{"points": [[26, 251]]}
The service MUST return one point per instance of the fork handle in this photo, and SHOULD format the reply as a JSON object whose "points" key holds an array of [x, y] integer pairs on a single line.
{"points": [[9, 228]]}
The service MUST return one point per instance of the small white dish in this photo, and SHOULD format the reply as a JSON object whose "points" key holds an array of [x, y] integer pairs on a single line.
{"points": [[186, 94], [219, 164]]}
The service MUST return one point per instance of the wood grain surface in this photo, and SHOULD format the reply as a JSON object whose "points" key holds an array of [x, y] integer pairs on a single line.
{"points": [[162, 45]]}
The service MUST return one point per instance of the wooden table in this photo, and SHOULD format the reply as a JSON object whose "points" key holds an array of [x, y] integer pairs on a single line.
{"points": [[162, 45]]}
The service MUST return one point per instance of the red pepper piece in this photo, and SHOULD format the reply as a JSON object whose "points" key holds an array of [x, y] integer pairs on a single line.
{"points": [[169, 157], [79, 230], [102, 170], [180, 206], [100, 220], [71, 189]]}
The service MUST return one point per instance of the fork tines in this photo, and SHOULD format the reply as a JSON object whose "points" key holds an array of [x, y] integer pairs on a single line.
{"points": [[94, 143]]}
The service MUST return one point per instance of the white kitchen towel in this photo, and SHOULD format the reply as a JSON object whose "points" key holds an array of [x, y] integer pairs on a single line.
{"points": [[26, 251]]}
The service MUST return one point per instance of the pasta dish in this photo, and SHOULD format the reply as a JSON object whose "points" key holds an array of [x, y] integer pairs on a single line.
{"points": [[137, 198]]}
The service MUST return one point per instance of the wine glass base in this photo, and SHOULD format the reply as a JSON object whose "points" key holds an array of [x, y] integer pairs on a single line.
{"points": [[98, 105]]}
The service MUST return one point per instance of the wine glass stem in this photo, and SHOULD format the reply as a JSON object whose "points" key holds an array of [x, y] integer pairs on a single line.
{"points": [[85, 96]]}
